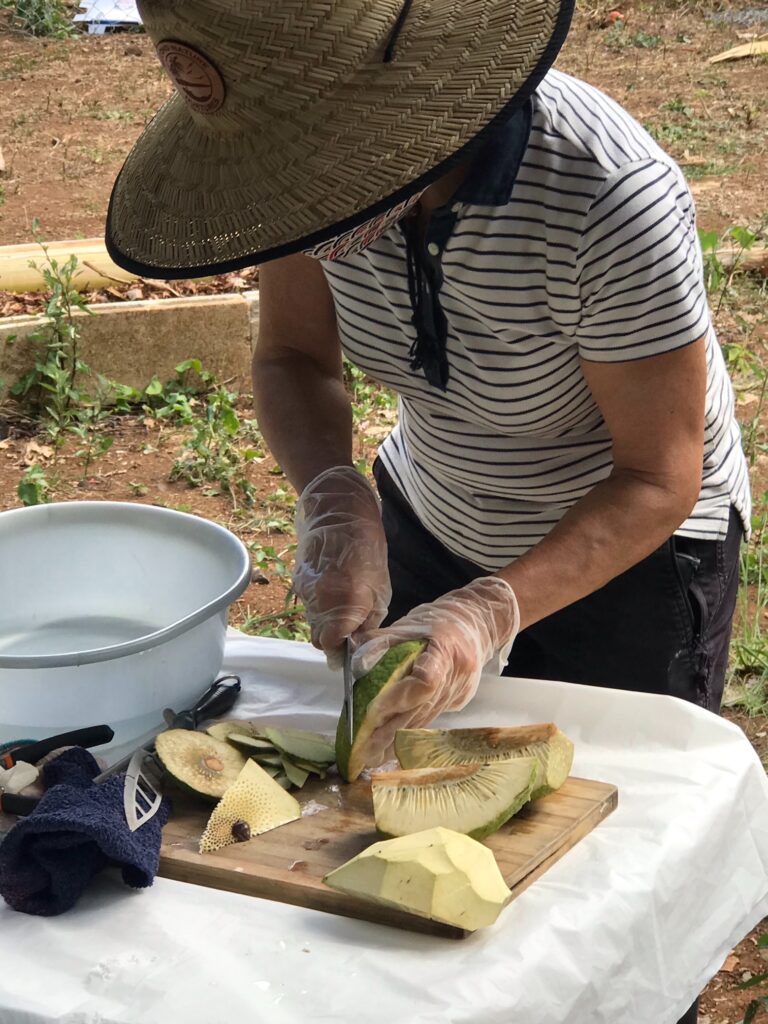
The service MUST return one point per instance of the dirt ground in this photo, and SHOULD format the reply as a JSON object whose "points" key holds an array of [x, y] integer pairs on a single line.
{"points": [[70, 110]]}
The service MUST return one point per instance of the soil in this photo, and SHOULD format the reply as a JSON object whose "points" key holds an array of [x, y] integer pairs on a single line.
{"points": [[70, 111]]}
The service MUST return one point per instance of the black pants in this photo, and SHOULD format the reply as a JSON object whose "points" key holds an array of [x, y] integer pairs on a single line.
{"points": [[661, 627]]}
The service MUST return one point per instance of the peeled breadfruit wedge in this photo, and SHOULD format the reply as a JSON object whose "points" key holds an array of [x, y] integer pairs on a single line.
{"points": [[437, 873], [199, 763], [438, 748], [473, 799], [396, 663], [255, 803]]}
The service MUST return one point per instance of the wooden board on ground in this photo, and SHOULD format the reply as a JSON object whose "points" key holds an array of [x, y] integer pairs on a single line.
{"points": [[288, 863]]}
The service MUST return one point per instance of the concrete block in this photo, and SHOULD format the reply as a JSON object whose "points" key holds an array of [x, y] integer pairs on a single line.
{"points": [[131, 342]]}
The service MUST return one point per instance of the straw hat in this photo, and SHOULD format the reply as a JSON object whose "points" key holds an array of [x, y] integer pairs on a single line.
{"points": [[295, 120]]}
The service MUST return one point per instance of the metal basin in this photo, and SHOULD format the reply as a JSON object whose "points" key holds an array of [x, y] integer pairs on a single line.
{"points": [[110, 612]]}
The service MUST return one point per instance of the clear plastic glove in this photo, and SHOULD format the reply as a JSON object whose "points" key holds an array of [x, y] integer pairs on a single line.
{"points": [[467, 630], [341, 572]]}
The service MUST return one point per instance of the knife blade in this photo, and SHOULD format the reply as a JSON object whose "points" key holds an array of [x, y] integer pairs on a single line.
{"points": [[141, 798], [349, 683]]}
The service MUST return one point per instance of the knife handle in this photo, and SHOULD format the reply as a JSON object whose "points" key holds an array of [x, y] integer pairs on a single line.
{"points": [[93, 736], [216, 701]]}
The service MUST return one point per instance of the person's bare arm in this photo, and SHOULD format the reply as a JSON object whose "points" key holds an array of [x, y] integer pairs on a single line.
{"points": [[654, 410], [301, 405]]}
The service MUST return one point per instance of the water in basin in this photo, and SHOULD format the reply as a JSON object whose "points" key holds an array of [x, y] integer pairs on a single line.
{"points": [[71, 635]]}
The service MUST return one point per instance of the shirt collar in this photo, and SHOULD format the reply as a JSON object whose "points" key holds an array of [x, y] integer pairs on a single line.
{"points": [[493, 172]]}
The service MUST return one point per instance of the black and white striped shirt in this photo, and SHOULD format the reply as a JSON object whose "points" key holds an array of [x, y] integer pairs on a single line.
{"points": [[573, 238]]}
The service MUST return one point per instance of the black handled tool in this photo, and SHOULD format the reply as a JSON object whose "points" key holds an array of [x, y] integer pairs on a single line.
{"points": [[92, 736]]}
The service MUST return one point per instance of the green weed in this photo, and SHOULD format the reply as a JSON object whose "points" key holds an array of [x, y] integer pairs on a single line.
{"points": [[761, 1002], [617, 38], [718, 277], [748, 685], [368, 398], [51, 18], [34, 487], [219, 446], [288, 624], [59, 390]]}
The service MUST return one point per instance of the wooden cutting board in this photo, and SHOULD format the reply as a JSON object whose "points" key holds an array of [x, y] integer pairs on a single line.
{"points": [[288, 863]]}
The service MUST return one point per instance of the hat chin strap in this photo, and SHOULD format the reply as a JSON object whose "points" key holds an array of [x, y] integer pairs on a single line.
{"points": [[392, 41]]}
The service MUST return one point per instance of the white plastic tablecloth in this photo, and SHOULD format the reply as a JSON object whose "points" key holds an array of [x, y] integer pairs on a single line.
{"points": [[626, 929]]}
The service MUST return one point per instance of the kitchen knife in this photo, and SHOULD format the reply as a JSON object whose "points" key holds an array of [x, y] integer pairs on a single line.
{"points": [[349, 683], [141, 798]]}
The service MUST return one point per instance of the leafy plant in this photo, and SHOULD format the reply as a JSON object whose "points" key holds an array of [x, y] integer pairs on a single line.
{"points": [[214, 452], [288, 624], [51, 388], [717, 276], [34, 487], [748, 687], [264, 556], [617, 38], [50, 18], [368, 398], [55, 390], [761, 1002]]}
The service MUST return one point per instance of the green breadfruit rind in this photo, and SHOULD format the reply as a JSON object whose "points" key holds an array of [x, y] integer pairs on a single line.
{"points": [[298, 744], [522, 795], [441, 748], [222, 730], [395, 664]]}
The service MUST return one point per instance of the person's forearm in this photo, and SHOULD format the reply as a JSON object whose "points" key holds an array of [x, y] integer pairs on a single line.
{"points": [[613, 527], [304, 414]]}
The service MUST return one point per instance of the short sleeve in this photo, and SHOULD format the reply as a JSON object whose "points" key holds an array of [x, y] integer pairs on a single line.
{"points": [[640, 268]]}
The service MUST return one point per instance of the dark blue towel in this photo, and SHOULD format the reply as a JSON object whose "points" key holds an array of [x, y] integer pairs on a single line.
{"points": [[48, 859]]}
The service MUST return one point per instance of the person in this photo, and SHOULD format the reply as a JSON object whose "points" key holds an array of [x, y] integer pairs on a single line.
{"points": [[564, 494]]}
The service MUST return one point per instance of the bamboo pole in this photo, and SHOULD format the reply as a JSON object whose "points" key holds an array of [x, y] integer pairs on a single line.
{"points": [[95, 268]]}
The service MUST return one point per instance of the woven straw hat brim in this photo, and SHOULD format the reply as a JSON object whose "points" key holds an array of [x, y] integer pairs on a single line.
{"points": [[300, 162]]}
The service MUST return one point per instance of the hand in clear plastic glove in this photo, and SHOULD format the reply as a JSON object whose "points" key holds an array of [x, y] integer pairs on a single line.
{"points": [[341, 572], [467, 630]]}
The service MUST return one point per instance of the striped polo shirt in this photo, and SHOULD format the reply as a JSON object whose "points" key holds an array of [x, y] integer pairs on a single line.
{"points": [[572, 238]]}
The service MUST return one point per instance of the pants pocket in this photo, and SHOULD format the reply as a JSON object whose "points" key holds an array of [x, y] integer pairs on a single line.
{"points": [[689, 668]]}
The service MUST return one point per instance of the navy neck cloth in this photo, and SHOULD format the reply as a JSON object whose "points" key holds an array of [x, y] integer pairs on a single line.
{"points": [[489, 183]]}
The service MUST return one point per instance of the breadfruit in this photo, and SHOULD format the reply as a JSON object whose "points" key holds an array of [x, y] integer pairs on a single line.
{"points": [[255, 802], [198, 762], [473, 799], [437, 748], [396, 663], [439, 874]]}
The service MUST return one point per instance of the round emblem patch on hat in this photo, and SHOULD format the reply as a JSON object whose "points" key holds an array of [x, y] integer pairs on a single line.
{"points": [[194, 76]]}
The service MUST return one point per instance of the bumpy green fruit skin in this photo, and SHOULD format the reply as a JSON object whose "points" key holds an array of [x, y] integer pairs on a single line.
{"points": [[392, 667]]}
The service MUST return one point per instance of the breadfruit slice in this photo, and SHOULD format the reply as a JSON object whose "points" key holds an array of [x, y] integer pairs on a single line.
{"points": [[472, 798], [437, 748], [224, 729], [396, 663], [439, 874], [298, 743], [255, 800], [198, 762]]}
